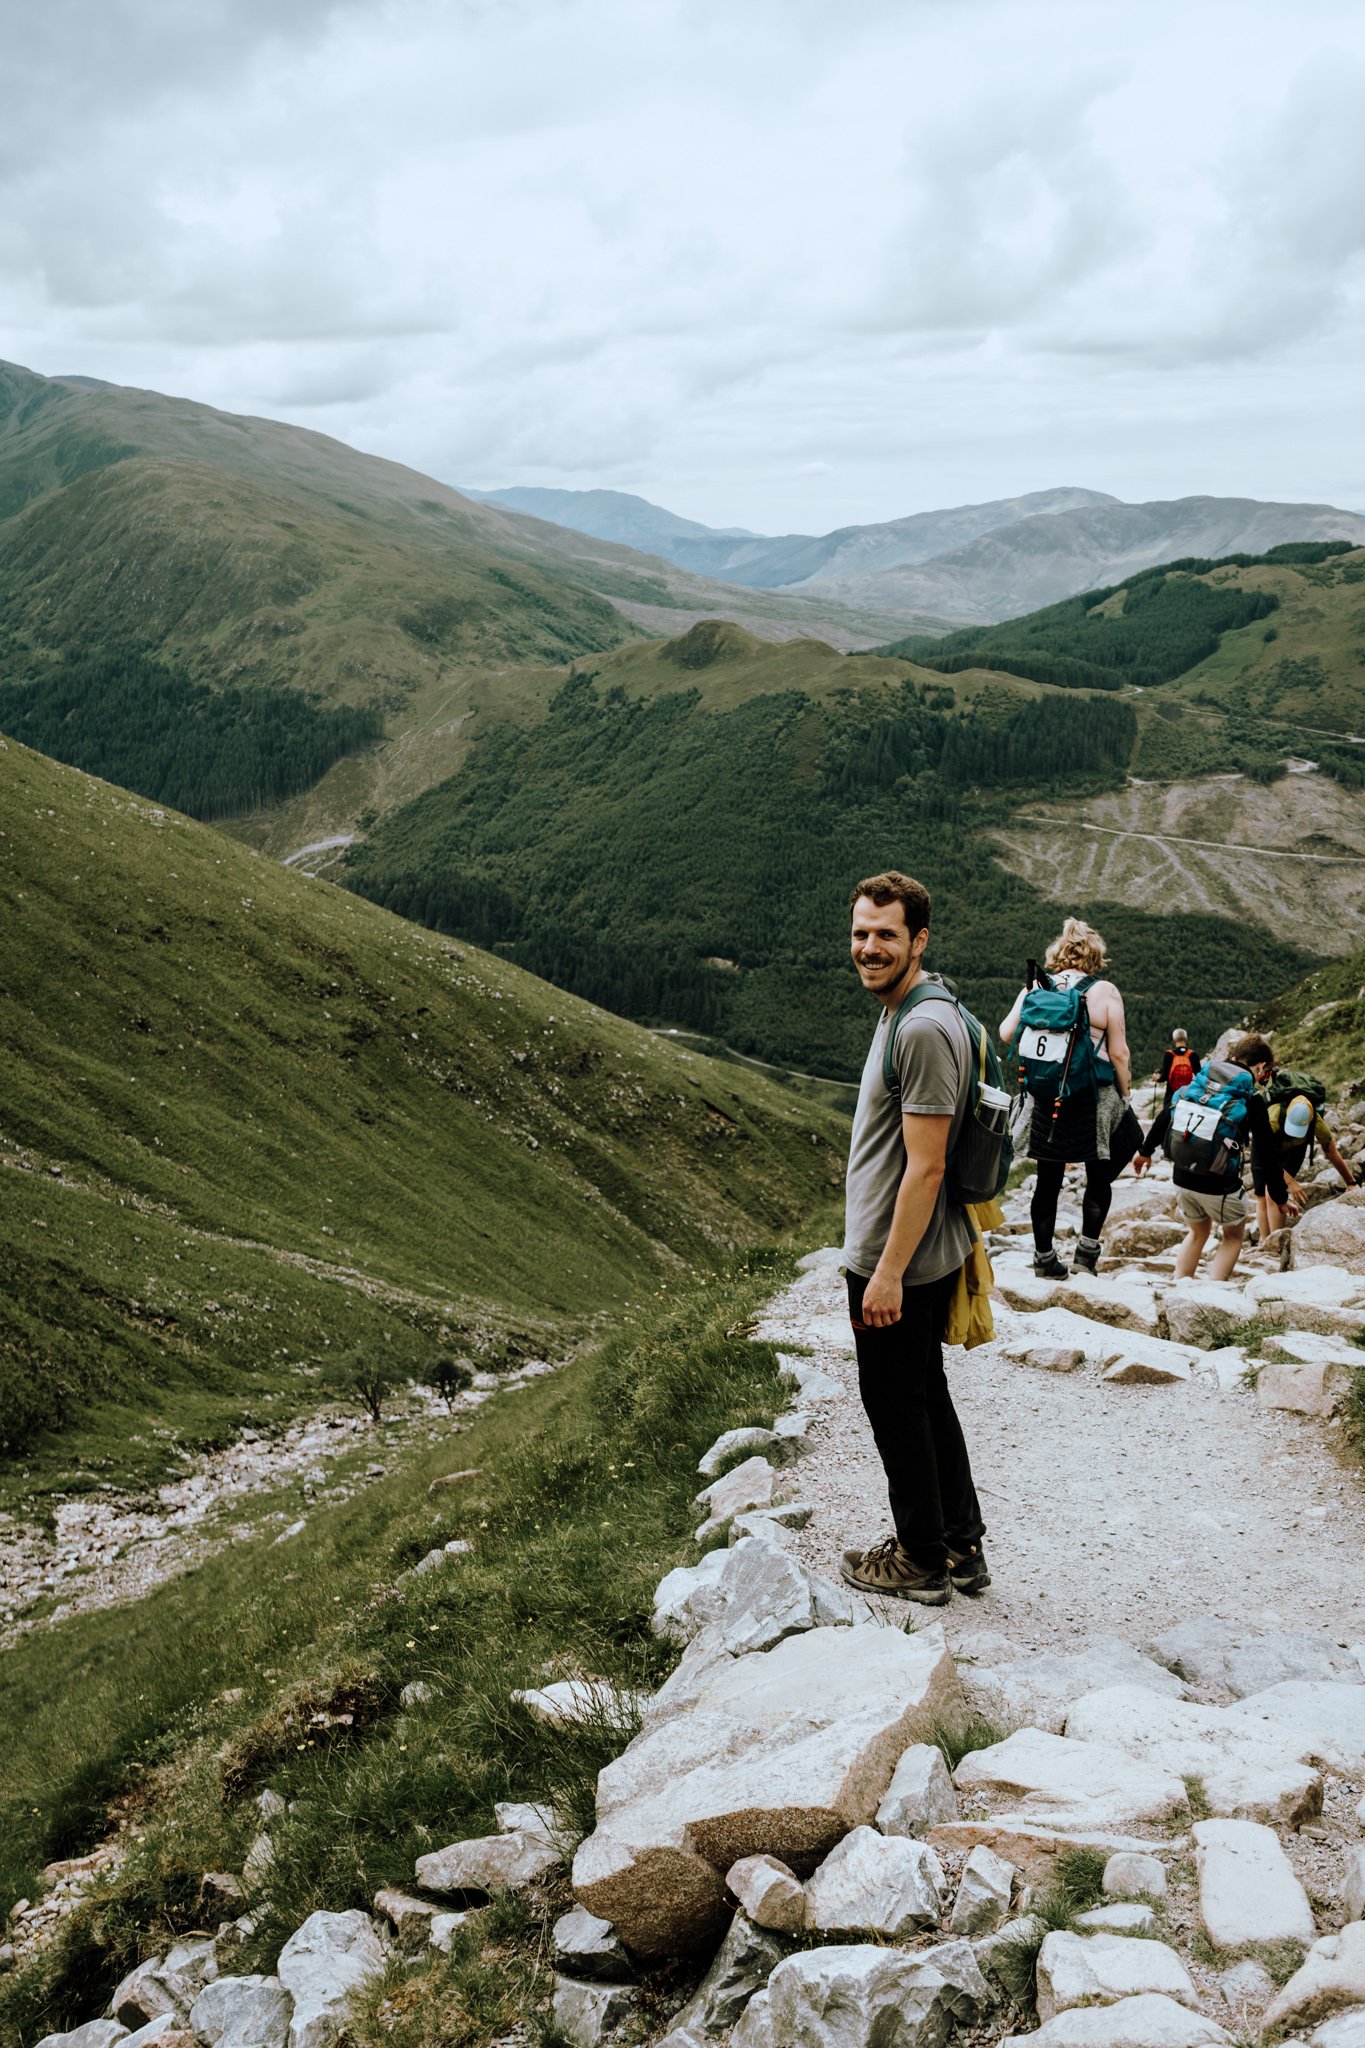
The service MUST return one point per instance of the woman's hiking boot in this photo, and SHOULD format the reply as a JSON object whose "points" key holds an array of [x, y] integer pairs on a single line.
{"points": [[889, 1570], [967, 1568], [1048, 1266], [1086, 1257]]}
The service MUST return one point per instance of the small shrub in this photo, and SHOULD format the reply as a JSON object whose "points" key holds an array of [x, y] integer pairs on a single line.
{"points": [[366, 1378], [448, 1378]]}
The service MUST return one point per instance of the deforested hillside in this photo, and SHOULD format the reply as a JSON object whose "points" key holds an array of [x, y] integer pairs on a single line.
{"points": [[250, 1119]]}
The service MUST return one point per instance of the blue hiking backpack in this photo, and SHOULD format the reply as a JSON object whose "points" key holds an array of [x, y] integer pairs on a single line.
{"points": [[1056, 1054], [1208, 1128], [979, 1164]]}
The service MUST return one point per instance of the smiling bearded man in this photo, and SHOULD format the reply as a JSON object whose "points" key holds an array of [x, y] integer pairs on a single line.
{"points": [[904, 1244]]}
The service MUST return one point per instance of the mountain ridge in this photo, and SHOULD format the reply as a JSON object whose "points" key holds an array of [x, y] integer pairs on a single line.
{"points": [[980, 563]]}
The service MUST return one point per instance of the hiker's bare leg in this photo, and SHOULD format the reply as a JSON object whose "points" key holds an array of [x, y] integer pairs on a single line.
{"points": [[1187, 1258], [1225, 1258]]}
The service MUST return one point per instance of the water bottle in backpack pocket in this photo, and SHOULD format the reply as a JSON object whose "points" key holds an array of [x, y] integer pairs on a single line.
{"points": [[1207, 1136], [978, 1166]]}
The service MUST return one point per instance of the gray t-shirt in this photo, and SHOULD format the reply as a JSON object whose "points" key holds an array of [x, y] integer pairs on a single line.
{"points": [[933, 1060]]}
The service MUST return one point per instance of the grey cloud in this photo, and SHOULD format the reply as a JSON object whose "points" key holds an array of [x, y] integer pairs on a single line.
{"points": [[812, 263]]}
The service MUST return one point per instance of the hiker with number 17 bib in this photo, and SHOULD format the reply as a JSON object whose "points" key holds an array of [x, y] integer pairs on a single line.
{"points": [[1209, 1128], [907, 1238], [1069, 1040]]}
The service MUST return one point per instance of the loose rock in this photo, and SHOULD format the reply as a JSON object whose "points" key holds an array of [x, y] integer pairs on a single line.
{"points": [[583, 2012], [743, 1964], [242, 2012], [1135, 1876], [1098, 1969], [864, 1997], [1332, 1979], [323, 1962], [983, 1896], [920, 1794], [771, 1895], [1247, 1890], [1147, 2021], [487, 1865], [588, 1947], [876, 1884]]}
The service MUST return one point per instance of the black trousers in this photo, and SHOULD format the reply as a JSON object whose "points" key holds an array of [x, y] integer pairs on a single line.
{"points": [[1047, 1189], [914, 1423]]}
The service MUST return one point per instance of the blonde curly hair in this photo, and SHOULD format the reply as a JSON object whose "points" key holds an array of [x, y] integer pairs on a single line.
{"points": [[1076, 945]]}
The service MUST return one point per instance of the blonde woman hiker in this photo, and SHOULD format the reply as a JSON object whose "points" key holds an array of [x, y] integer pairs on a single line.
{"points": [[1069, 1042]]}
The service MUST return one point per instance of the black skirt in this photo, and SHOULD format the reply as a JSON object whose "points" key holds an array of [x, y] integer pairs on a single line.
{"points": [[1070, 1135]]}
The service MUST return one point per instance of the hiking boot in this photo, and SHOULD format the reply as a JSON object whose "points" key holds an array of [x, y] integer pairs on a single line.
{"points": [[967, 1568], [1050, 1268], [1085, 1258], [888, 1569]]}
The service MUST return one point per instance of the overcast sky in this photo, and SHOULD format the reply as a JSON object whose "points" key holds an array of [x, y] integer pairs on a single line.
{"points": [[785, 264]]}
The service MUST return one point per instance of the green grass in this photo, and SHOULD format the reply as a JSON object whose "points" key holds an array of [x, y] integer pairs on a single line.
{"points": [[250, 1121], [584, 1502], [1077, 1886], [957, 1739]]}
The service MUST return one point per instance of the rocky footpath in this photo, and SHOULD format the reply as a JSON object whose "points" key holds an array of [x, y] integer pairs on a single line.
{"points": [[1116, 1802]]}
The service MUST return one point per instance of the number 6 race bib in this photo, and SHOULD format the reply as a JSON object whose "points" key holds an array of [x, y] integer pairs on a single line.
{"points": [[1045, 1045]]}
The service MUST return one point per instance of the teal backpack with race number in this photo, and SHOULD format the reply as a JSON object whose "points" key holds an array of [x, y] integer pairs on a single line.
{"points": [[1056, 1055], [1208, 1129], [979, 1164]]}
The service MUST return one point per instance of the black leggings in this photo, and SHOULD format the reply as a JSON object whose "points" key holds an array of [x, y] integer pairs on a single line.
{"points": [[1099, 1189]]}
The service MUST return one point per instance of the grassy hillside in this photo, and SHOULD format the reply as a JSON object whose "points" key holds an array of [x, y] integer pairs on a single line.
{"points": [[685, 853], [249, 1118], [160, 1722], [1320, 1024]]}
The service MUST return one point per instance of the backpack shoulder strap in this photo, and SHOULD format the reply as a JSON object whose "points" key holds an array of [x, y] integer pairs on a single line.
{"points": [[922, 992]]}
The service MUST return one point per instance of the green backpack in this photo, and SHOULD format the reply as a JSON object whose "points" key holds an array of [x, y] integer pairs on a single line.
{"points": [[979, 1164], [1287, 1083]]}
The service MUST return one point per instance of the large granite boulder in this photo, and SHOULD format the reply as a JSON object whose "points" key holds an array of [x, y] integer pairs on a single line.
{"points": [[1099, 1969], [781, 1753], [242, 2012]]}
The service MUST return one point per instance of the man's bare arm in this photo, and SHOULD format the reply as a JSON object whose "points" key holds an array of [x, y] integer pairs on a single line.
{"points": [[926, 1151]]}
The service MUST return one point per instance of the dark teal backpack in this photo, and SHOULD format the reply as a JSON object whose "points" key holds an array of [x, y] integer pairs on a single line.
{"points": [[1056, 1054], [979, 1164]]}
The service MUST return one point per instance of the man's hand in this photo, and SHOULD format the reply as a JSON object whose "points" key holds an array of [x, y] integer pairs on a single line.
{"points": [[1140, 1164], [1297, 1200], [881, 1302]]}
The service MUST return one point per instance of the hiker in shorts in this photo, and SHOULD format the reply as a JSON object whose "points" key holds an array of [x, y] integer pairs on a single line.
{"points": [[1208, 1128], [1079, 1128], [903, 1247], [1296, 1122], [1179, 1065]]}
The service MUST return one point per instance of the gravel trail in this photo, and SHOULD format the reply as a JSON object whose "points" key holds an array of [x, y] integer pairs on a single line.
{"points": [[1116, 1509]]}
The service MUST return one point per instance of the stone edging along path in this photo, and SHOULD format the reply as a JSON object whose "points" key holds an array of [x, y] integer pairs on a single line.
{"points": [[1169, 1673]]}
